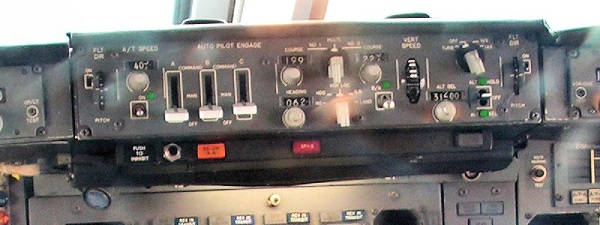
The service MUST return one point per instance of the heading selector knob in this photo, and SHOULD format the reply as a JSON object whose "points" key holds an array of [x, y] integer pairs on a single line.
{"points": [[137, 81], [470, 59], [370, 73], [291, 76], [293, 117]]}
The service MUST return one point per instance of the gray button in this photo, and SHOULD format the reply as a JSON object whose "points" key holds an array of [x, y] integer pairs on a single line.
{"points": [[330, 216], [480, 221], [579, 197], [469, 208], [219, 220], [492, 208], [469, 140], [275, 218]]}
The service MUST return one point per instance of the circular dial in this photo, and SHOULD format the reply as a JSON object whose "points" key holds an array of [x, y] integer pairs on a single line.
{"points": [[444, 111], [293, 117], [291, 76], [370, 73], [138, 81]]}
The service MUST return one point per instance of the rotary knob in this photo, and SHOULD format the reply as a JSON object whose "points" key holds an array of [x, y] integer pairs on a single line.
{"points": [[470, 58], [444, 111], [293, 117], [137, 81], [291, 76], [370, 73]]}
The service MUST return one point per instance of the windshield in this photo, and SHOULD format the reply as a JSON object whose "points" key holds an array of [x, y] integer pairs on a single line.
{"points": [[39, 21]]}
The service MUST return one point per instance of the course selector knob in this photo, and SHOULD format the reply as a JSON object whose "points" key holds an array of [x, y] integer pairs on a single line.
{"points": [[137, 81], [291, 76], [370, 73], [293, 117]]}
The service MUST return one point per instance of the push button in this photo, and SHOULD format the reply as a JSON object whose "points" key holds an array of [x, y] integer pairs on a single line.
{"points": [[211, 151], [275, 218], [469, 208], [480, 221], [307, 147], [492, 208]]}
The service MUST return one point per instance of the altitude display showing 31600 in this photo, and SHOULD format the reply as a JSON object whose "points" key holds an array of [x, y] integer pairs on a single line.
{"points": [[438, 96]]}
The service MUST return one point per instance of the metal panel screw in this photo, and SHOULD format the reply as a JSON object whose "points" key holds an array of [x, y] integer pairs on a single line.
{"points": [[558, 197], [573, 53], [37, 69], [496, 191], [274, 200], [463, 192]]}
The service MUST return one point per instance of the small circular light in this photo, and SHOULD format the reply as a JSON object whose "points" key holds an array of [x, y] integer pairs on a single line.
{"points": [[482, 80], [484, 113], [4, 218], [386, 84], [150, 95], [96, 198]]}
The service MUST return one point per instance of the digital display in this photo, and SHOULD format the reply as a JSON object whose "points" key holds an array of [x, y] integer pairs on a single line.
{"points": [[438, 96], [294, 59], [296, 101], [374, 57], [141, 65]]}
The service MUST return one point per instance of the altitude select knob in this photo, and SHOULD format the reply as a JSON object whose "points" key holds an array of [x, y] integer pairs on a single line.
{"points": [[444, 111], [137, 81], [291, 76], [370, 73]]}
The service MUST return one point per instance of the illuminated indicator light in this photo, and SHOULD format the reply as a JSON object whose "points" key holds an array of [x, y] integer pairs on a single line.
{"points": [[386, 84], [484, 113], [211, 151], [482, 80], [150, 95], [4, 218], [307, 147]]}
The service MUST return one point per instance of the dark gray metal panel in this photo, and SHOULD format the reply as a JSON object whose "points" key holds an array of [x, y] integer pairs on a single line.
{"points": [[457, 196], [263, 57], [555, 82], [162, 208], [18, 193], [535, 197], [568, 168], [22, 104]]}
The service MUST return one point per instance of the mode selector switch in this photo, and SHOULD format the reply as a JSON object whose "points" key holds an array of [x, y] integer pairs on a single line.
{"points": [[470, 59], [336, 69], [342, 113]]}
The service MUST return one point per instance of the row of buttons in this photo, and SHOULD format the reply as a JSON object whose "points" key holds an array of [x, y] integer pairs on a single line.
{"points": [[480, 208], [591, 196], [277, 218], [172, 152]]}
